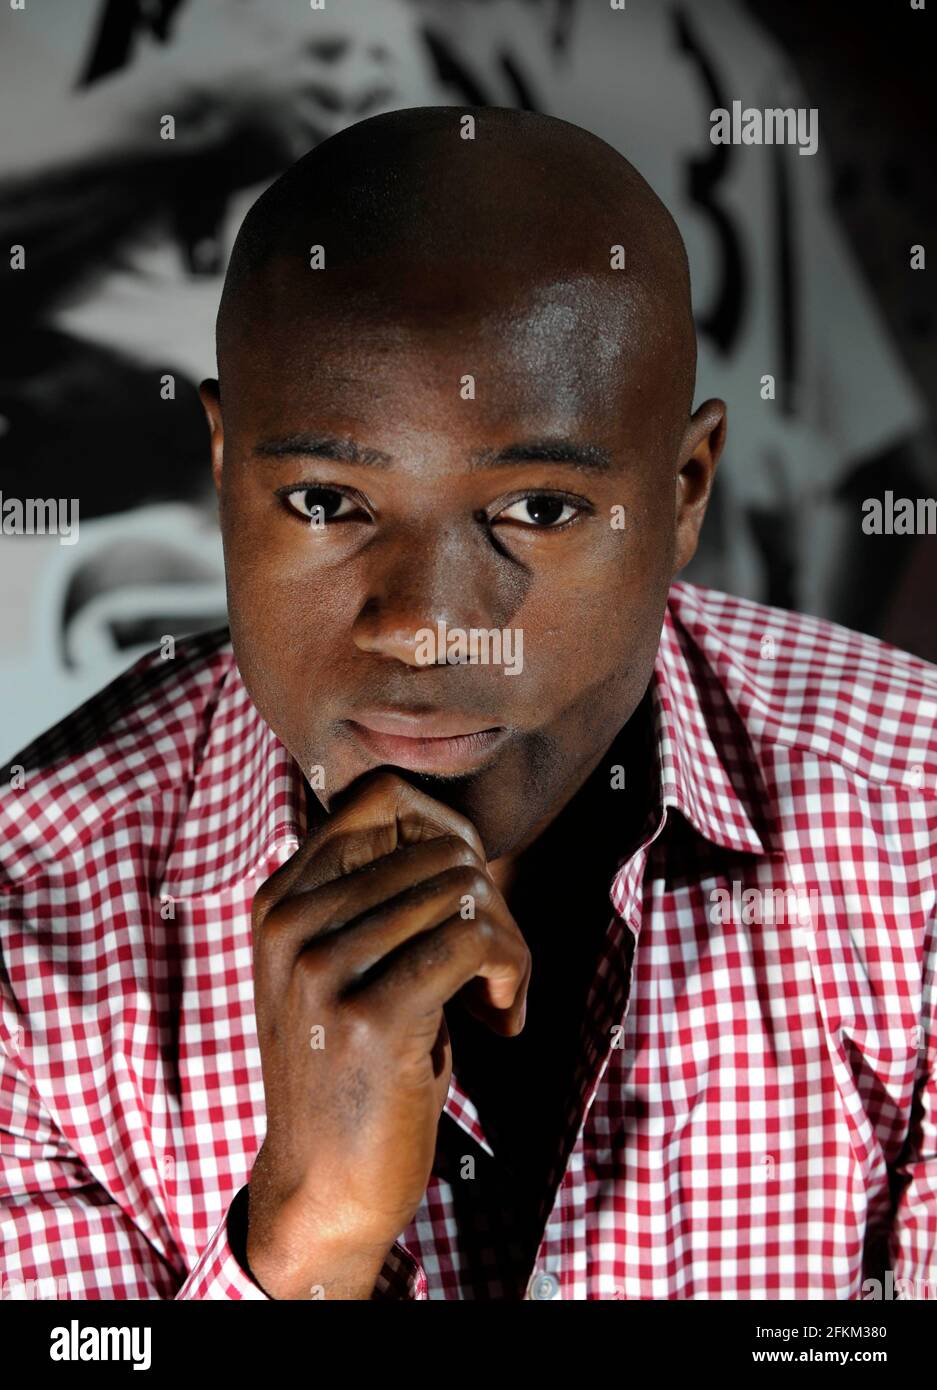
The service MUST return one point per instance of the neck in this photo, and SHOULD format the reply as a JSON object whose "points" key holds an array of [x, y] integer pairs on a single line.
{"points": [[593, 825]]}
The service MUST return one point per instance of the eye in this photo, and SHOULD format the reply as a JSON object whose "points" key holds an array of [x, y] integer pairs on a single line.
{"points": [[322, 503], [544, 510]]}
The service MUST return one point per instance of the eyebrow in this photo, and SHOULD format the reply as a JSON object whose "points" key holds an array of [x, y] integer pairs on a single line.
{"points": [[322, 446], [580, 455]]}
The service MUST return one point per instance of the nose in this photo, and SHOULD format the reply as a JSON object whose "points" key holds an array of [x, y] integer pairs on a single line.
{"points": [[415, 584]]}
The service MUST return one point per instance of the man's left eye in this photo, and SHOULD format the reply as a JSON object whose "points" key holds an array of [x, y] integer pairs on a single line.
{"points": [[544, 510]]}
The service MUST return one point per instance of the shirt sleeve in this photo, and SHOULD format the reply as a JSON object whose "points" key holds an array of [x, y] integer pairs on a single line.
{"points": [[914, 1229], [62, 1236]]}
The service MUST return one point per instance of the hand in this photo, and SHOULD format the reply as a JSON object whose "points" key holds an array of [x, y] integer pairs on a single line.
{"points": [[365, 934]]}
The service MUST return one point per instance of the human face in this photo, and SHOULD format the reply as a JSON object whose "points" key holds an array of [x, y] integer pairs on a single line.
{"points": [[516, 470]]}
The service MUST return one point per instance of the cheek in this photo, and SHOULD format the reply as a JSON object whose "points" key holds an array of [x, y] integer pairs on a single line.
{"points": [[277, 593], [286, 626], [605, 607], [593, 651], [286, 633]]}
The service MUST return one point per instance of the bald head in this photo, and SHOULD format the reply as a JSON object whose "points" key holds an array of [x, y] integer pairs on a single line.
{"points": [[418, 224]]}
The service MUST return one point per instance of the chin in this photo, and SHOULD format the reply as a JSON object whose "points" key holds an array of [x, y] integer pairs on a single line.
{"points": [[480, 796], [495, 818]]}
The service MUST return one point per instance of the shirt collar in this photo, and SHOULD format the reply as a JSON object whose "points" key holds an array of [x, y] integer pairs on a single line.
{"points": [[712, 788], [248, 803]]}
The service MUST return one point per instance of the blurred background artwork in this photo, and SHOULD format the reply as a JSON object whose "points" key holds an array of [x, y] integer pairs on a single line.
{"points": [[801, 270]]}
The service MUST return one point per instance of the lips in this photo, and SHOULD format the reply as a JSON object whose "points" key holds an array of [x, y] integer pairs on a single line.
{"points": [[427, 740]]}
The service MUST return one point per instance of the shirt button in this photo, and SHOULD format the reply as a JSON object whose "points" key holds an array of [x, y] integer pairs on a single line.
{"points": [[543, 1286]]}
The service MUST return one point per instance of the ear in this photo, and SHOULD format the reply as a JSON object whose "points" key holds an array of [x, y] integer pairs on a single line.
{"points": [[210, 396], [700, 448]]}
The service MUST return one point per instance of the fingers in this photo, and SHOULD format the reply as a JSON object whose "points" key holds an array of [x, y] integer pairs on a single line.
{"points": [[347, 905], [463, 891], [383, 796], [428, 969], [378, 816], [388, 910], [347, 932]]}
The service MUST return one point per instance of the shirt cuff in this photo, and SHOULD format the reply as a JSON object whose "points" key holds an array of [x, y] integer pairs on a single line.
{"points": [[218, 1275], [402, 1276]]}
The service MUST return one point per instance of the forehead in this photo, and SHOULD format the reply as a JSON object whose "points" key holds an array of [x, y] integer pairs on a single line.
{"points": [[552, 353]]}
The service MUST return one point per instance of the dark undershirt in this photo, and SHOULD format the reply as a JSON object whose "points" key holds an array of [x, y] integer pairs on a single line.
{"points": [[522, 1086]]}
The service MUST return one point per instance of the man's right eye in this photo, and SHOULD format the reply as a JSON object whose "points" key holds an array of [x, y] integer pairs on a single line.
{"points": [[318, 504]]}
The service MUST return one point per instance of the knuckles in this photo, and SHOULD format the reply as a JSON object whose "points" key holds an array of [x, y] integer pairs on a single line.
{"points": [[470, 880], [360, 1023], [458, 853]]}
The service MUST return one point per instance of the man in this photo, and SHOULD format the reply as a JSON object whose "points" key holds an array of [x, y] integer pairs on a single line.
{"points": [[310, 984]]}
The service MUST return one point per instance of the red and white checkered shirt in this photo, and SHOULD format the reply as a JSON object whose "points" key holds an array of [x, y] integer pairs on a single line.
{"points": [[755, 1093]]}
